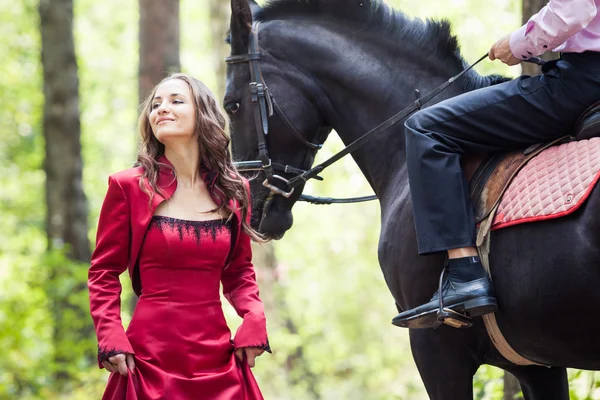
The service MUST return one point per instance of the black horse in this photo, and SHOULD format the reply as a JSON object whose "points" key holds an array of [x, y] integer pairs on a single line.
{"points": [[349, 65]]}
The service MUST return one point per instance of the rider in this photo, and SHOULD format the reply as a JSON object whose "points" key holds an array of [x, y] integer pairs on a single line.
{"points": [[507, 116]]}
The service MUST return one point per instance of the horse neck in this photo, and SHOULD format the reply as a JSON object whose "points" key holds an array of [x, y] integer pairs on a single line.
{"points": [[364, 83]]}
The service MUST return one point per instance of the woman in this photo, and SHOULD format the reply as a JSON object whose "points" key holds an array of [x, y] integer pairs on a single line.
{"points": [[178, 222]]}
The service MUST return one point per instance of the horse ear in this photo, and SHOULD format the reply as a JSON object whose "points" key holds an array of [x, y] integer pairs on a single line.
{"points": [[254, 7], [241, 24]]}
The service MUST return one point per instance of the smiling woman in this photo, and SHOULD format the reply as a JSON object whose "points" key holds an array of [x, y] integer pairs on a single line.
{"points": [[178, 223], [172, 115]]}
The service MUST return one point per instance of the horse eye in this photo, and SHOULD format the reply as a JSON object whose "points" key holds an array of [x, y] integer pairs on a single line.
{"points": [[232, 107]]}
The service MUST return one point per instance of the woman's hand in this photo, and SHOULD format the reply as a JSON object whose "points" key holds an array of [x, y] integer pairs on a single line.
{"points": [[501, 51], [120, 363], [251, 354]]}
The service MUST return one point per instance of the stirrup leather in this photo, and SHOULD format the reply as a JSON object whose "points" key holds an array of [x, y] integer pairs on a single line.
{"points": [[448, 316]]}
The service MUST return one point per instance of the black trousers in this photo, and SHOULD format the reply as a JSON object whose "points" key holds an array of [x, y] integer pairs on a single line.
{"points": [[508, 116]]}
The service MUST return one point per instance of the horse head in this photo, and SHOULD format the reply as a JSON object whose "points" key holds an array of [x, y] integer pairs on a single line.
{"points": [[275, 116]]}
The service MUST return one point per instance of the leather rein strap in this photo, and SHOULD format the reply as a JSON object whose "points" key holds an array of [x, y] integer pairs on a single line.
{"points": [[416, 105], [263, 105]]}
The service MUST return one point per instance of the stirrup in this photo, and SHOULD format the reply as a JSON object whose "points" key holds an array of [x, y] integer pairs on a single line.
{"points": [[447, 315]]}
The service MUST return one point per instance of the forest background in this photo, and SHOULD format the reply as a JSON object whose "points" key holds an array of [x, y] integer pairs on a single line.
{"points": [[329, 315]]}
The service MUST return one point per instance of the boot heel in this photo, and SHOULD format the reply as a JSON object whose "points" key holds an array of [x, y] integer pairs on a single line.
{"points": [[480, 306], [454, 319]]}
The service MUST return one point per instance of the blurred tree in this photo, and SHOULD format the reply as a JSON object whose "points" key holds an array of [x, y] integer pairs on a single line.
{"points": [[531, 7], [66, 215], [158, 51], [512, 387], [296, 365], [219, 24], [159, 43]]}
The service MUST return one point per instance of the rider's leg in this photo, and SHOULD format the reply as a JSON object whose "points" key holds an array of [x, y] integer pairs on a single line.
{"points": [[462, 252], [507, 116]]}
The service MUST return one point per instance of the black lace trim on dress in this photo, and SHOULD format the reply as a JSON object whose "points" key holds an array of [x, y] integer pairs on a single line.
{"points": [[199, 229], [104, 353], [265, 347]]}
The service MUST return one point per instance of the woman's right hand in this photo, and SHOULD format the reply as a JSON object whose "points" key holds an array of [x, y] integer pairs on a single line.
{"points": [[120, 363]]}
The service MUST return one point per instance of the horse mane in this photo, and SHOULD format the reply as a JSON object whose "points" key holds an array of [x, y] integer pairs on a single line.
{"points": [[395, 26]]}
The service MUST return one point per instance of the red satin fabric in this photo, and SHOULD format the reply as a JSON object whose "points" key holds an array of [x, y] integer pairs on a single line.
{"points": [[182, 345]]}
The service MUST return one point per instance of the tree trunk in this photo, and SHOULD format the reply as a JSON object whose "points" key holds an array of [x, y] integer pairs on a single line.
{"points": [[159, 43], [273, 294], [159, 50], [512, 387], [531, 7], [66, 216], [219, 24]]}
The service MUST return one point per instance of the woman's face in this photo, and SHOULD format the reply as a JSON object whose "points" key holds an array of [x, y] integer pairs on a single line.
{"points": [[172, 115]]}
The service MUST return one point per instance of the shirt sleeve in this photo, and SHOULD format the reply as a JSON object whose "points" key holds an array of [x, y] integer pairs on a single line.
{"points": [[241, 290], [552, 26], [109, 260]]}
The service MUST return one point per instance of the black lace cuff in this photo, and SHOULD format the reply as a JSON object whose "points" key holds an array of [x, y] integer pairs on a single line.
{"points": [[266, 347], [104, 353]]}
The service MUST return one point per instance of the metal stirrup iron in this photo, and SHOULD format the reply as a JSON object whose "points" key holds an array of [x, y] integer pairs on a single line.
{"points": [[447, 315]]}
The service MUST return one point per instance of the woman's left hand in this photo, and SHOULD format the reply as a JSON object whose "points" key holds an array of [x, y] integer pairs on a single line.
{"points": [[251, 354]]}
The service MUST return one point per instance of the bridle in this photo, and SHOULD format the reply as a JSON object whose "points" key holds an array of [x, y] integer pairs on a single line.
{"points": [[263, 105]]}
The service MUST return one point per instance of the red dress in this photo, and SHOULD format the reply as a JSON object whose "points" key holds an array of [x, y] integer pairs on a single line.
{"points": [[183, 347], [181, 344]]}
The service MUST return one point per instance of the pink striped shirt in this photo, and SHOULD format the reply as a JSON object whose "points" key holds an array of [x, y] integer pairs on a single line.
{"points": [[568, 26]]}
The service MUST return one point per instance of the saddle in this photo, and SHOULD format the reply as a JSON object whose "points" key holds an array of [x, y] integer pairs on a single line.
{"points": [[490, 177], [542, 182]]}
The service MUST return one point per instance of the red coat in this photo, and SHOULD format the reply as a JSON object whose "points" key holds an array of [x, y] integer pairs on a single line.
{"points": [[124, 220]]}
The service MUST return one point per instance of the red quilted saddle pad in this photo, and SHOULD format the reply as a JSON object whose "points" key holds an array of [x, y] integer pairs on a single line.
{"points": [[553, 184]]}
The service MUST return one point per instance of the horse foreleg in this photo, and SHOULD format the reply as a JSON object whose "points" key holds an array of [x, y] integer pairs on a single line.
{"points": [[447, 359], [542, 383]]}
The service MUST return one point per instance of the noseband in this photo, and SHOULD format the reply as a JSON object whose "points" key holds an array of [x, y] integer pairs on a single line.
{"points": [[263, 105]]}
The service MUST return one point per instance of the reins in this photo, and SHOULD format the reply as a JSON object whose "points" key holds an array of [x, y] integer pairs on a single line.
{"points": [[264, 104], [416, 105]]}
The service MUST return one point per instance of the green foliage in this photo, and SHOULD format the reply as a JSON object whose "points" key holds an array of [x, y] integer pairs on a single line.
{"points": [[67, 300], [25, 329], [24, 323], [488, 383], [337, 297], [477, 25], [584, 385], [328, 306]]}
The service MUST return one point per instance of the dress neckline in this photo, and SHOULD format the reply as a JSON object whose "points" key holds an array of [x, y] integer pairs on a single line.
{"points": [[192, 221]]}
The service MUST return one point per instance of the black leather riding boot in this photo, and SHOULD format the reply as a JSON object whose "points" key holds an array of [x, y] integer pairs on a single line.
{"points": [[466, 293]]}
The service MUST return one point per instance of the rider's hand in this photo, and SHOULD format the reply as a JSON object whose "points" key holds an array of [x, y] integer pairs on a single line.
{"points": [[251, 354], [501, 51], [120, 363]]}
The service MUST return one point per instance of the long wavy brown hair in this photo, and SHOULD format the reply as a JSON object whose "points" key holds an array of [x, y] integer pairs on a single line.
{"points": [[213, 143]]}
